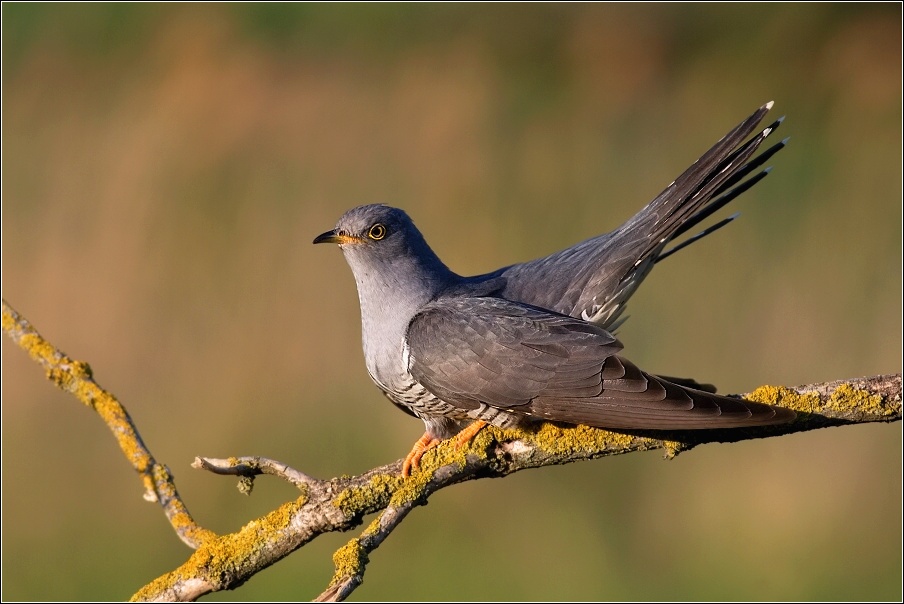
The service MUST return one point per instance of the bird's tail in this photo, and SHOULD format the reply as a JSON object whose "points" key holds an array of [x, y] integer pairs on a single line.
{"points": [[641, 401], [593, 279], [714, 180], [728, 169]]}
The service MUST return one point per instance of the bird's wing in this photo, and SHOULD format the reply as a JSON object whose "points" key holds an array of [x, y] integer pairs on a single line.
{"points": [[472, 351], [595, 278]]}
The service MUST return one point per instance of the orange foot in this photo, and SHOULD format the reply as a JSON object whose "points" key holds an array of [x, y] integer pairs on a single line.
{"points": [[467, 435], [427, 442], [413, 460]]}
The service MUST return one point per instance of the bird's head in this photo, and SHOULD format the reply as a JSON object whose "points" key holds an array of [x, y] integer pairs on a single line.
{"points": [[379, 239], [375, 227]]}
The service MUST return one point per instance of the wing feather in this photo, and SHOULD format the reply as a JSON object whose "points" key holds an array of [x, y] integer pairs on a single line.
{"points": [[532, 362]]}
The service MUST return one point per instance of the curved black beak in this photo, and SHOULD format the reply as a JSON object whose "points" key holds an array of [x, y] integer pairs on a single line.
{"points": [[328, 237], [336, 237]]}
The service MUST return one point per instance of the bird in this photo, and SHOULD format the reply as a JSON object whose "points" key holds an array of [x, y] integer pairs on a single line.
{"points": [[534, 341]]}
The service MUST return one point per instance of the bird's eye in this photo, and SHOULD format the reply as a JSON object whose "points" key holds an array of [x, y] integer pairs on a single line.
{"points": [[377, 232]]}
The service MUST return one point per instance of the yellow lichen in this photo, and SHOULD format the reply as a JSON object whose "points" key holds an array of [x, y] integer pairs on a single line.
{"points": [[557, 440], [220, 560], [245, 485], [373, 528], [8, 322], [673, 448], [413, 487], [355, 500], [349, 560], [786, 397], [39, 349], [846, 397], [843, 398], [224, 556], [160, 585]]}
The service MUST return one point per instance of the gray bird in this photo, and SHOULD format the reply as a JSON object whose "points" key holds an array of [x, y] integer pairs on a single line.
{"points": [[532, 341]]}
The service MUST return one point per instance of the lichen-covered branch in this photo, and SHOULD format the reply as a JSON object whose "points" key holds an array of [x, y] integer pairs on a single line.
{"points": [[75, 377], [497, 453], [340, 504]]}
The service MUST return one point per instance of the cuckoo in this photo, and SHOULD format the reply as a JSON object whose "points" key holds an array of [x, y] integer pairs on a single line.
{"points": [[534, 341]]}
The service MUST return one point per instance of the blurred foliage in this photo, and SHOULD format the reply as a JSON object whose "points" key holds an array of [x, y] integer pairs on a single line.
{"points": [[165, 167]]}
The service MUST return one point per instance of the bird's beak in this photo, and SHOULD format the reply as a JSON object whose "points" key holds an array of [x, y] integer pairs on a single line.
{"points": [[334, 237]]}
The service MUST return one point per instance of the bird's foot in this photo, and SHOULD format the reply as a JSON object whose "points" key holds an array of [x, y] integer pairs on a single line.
{"points": [[467, 435], [413, 460], [427, 442]]}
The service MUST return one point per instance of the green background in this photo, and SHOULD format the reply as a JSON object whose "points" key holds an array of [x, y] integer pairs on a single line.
{"points": [[165, 168]]}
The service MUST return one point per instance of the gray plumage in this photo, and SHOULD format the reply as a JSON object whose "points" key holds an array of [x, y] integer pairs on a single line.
{"points": [[533, 341]]}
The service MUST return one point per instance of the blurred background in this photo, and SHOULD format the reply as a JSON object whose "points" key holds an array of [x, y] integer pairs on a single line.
{"points": [[165, 168]]}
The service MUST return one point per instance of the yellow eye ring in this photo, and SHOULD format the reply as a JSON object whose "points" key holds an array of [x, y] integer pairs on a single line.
{"points": [[377, 232]]}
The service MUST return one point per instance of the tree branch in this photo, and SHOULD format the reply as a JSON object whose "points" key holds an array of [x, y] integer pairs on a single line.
{"points": [[226, 561], [249, 467], [75, 377]]}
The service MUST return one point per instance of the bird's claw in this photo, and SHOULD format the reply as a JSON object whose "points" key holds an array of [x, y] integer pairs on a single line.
{"points": [[413, 459], [427, 442]]}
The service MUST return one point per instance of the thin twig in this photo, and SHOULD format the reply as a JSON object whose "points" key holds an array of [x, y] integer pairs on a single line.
{"points": [[75, 377], [249, 467]]}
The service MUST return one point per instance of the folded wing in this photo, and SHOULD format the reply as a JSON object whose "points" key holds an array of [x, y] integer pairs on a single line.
{"points": [[528, 361]]}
